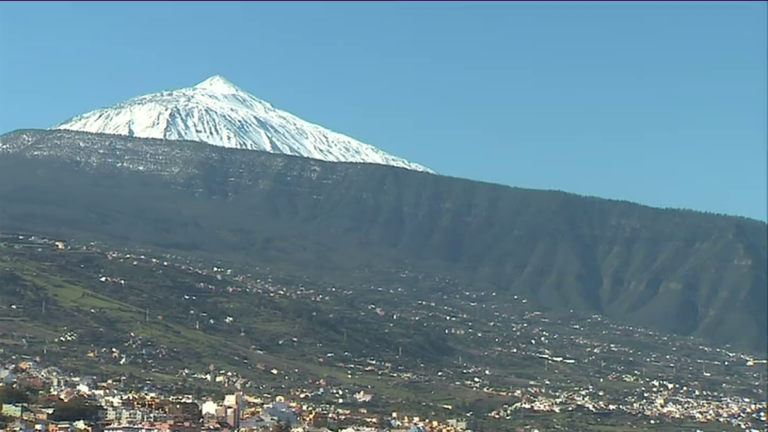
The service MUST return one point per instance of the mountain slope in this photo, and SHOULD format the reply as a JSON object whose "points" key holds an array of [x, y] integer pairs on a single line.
{"points": [[168, 319], [677, 271], [219, 113]]}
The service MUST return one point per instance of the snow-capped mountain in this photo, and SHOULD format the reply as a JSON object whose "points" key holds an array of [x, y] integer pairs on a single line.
{"points": [[219, 113]]}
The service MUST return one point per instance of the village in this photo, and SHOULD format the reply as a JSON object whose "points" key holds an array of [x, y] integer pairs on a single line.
{"points": [[563, 364], [118, 409]]}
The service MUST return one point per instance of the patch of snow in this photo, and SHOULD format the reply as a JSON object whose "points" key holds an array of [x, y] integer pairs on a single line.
{"points": [[217, 112]]}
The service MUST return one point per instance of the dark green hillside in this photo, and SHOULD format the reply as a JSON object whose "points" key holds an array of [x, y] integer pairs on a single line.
{"points": [[678, 271]]}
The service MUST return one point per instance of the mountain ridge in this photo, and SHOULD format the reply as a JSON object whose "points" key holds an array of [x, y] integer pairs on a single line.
{"points": [[679, 271], [217, 112], [17, 132]]}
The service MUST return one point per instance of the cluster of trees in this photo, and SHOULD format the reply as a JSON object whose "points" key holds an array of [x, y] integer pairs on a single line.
{"points": [[74, 409], [15, 395], [12, 395]]}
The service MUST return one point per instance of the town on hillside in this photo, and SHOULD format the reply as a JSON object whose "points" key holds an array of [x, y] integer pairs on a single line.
{"points": [[631, 374]]}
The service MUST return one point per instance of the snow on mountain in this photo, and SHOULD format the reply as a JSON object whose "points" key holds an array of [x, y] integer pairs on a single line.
{"points": [[219, 113]]}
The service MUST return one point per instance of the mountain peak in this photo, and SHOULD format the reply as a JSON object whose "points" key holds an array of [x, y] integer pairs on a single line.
{"points": [[219, 113], [218, 84]]}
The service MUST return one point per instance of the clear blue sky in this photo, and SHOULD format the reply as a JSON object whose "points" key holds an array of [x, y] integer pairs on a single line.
{"points": [[658, 103]]}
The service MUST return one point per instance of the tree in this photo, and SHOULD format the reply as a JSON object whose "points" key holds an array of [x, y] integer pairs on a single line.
{"points": [[14, 395], [75, 409]]}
